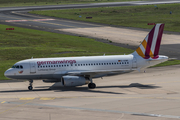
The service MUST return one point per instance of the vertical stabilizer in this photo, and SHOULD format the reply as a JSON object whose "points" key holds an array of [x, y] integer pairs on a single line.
{"points": [[151, 44]]}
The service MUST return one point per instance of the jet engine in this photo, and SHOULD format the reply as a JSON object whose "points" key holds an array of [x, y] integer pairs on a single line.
{"points": [[74, 80]]}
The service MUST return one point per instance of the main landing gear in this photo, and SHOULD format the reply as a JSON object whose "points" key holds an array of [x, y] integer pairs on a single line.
{"points": [[30, 84], [91, 85]]}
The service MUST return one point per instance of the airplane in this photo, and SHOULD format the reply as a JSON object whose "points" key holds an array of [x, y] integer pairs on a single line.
{"points": [[77, 71]]}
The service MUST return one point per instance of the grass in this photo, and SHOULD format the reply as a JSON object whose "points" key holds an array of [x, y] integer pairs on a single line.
{"points": [[129, 16], [21, 43], [11, 3]]}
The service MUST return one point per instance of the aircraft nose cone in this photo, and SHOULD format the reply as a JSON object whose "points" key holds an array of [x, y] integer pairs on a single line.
{"points": [[7, 73]]}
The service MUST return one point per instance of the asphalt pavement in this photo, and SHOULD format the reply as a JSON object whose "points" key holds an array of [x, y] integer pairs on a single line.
{"points": [[153, 95]]}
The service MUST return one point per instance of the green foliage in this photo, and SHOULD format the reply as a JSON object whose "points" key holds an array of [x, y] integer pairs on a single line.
{"points": [[129, 16], [21, 43]]}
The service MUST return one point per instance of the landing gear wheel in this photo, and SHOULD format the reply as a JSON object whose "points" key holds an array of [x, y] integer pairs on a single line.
{"points": [[30, 87], [30, 84], [91, 85]]}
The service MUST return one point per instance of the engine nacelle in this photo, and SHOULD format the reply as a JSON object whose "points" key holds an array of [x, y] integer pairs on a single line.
{"points": [[74, 80]]}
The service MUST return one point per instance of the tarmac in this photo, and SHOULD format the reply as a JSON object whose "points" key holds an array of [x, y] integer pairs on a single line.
{"points": [[150, 95]]}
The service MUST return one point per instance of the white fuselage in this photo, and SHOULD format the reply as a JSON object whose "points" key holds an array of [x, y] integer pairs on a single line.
{"points": [[55, 68]]}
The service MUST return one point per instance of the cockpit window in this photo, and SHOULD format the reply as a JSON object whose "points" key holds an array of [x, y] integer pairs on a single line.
{"points": [[17, 66], [13, 66]]}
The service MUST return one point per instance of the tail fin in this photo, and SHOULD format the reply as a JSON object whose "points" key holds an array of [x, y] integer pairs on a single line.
{"points": [[151, 44]]}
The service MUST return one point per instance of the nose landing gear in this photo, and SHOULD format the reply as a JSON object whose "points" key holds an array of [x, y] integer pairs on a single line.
{"points": [[30, 84]]}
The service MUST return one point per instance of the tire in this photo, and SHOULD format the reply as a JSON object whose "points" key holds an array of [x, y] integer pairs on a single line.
{"points": [[91, 85], [30, 87]]}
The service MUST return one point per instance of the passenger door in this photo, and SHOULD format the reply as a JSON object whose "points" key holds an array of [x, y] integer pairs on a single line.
{"points": [[32, 67], [134, 62]]}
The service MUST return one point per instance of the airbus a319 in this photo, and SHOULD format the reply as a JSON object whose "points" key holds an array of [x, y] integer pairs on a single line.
{"points": [[77, 71]]}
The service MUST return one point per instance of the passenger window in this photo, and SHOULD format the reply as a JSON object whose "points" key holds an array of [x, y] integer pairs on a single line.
{"points": [[67, 65], [115, 63], [64, 65], [71, 64], [91, 64], [75, 64], [104, 63], [107, 63], [96, 63]]}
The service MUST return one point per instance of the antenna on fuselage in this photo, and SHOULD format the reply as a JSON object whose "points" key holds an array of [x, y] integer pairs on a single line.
{"points": [[104, 54], [32, 57]]}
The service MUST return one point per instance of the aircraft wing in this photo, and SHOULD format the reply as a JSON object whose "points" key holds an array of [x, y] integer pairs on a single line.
{"points": [[94, 72]]}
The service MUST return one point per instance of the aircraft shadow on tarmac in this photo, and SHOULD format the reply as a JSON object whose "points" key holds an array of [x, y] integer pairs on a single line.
{"points": [[86, 89]]}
